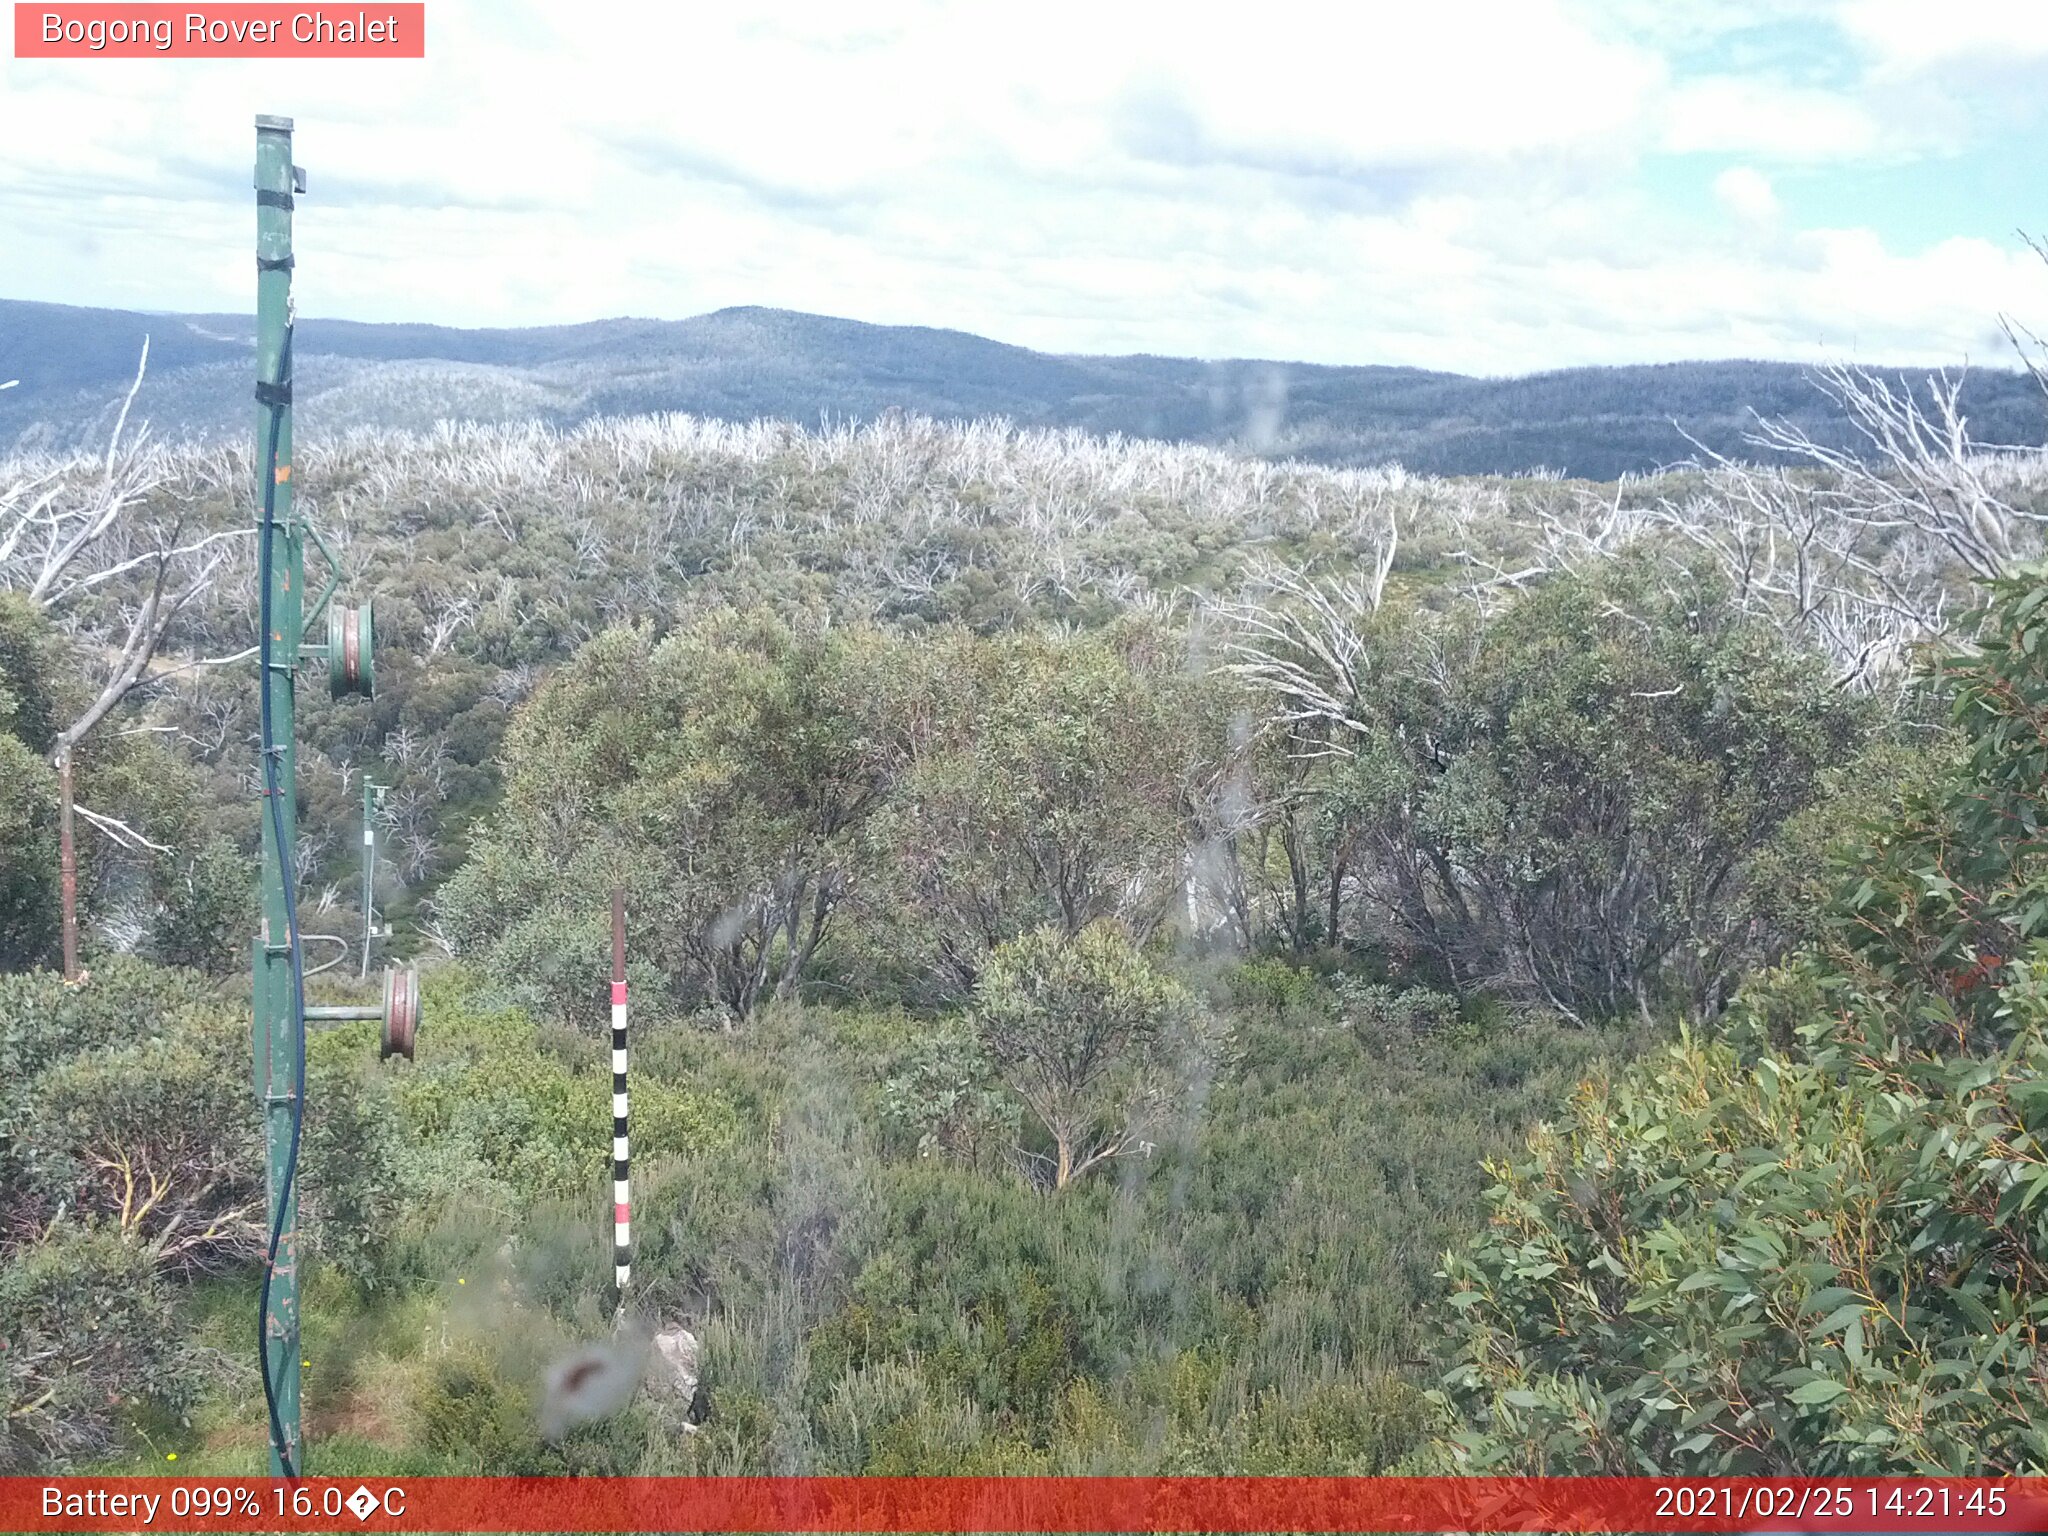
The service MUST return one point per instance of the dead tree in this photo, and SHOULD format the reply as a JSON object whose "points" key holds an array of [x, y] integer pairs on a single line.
{"points": [[1306, 649], [70, 542], [1855, 552], [1798, 554], [1918, 469]]}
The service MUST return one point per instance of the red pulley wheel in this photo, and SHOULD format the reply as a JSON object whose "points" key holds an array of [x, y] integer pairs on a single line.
{"points": [[401, 1012]]}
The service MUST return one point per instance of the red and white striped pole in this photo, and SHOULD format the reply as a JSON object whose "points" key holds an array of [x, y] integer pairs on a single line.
{"points": [[622, 1248]]}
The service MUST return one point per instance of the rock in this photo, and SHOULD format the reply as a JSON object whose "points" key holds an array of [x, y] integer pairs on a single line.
{"points": [[672, 1364]]}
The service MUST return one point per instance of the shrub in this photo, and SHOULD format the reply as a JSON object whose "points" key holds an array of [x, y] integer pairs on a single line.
{"points": [[85, 1329], [944, 1096], [1818, 1244], [723, 774], [352, 1182], [471, 1411], [1271, 983], [1088, 1035], [209, 911], [488, 1093], [1564, 801], [154, 1138], [43, 1020], [1375, 1009], [1729, 1264]]}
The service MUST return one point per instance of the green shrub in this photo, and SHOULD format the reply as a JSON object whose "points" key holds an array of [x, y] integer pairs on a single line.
{"points": [[209, 910], [43, 1020], [154, 1138], [1271, 983], [1730, 1264], [29, 908], [1818, 1244], [894, 1419], [1093, 1038], [1378, 1010], [470, 1411], [353, 1164], [86, 1329], [489, 1092], [942, 1096]]}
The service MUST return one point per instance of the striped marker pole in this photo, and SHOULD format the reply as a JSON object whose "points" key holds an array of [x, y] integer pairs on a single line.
{"points": [[622, 1245]]}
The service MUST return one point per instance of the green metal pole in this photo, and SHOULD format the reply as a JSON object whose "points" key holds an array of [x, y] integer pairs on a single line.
{"points": [[276, 1023]]}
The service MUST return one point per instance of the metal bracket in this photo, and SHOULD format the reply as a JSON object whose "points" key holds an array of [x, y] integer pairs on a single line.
{"points": [[319, 607]]}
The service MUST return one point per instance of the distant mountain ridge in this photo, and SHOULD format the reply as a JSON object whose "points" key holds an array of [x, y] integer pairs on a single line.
{"points": [[74, 363]]}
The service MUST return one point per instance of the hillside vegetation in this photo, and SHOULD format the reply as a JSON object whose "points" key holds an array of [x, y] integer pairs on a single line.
{"points": [[1144, 958], [750, 363]]}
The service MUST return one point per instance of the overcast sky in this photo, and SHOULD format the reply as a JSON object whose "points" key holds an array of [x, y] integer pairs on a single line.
{"points": [[1492, 186]]}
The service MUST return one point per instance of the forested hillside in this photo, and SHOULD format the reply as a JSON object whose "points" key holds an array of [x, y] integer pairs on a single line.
{"points": [[1144, 957], [744, 364]]}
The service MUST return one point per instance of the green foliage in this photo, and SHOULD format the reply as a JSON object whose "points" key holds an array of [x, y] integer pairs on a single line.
{"points": [[42, 690], [944, 1094], [864, 1308], [1564, 804], [44, 1023], [1377, 1009], [28, 830], [1052, 785], [1954, 888], [1090, 1036], [353, 1166], [86, 1328], [1272, 984], [32, 685], [468, 1410], [723, 775], [155, 1139], [1819, 1244], [494, 1097], [209, 910], [44, 1019], [1221, 1308], [1745, 1265], [31, 661], [765, 788]]}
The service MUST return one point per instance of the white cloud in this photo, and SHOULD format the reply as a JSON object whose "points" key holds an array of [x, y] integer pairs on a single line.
{"points": [[1453, 185], [1909, 35], [1746, 192], [1750, 116]]}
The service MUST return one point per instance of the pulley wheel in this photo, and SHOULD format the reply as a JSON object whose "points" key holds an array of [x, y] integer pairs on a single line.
{"points": [[351, 660], [401, 1012]]}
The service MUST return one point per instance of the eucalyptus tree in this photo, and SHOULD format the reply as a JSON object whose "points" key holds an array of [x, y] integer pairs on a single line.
{"points": [[723, 775], [1864, 1292]]}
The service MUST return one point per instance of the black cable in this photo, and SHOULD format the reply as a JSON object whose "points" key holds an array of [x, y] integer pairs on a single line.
{"points": [[274, 395]]}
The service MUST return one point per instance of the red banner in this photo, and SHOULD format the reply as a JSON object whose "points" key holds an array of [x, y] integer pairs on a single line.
{"points": [[378, 31], [962, 1504]]}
